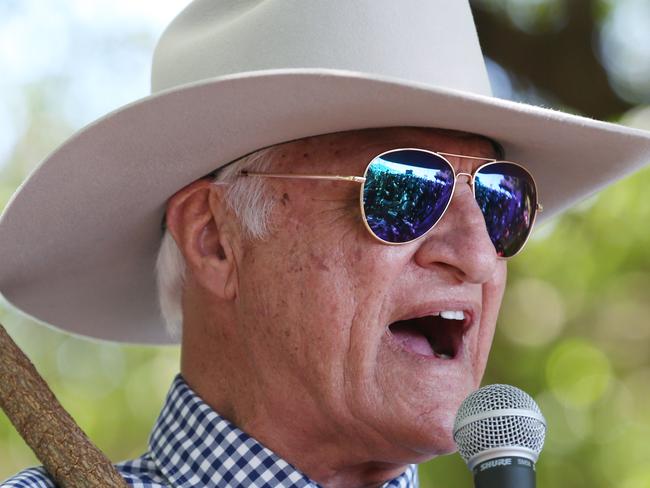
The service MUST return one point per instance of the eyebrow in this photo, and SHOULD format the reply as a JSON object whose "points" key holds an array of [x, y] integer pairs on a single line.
{"points": [[499, 151]]}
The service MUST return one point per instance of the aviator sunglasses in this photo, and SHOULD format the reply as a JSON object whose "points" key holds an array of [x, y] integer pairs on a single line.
{"points": [[405, 192]]}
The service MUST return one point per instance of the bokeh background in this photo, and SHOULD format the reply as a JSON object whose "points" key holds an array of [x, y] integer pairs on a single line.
{"points": [[575, 326]]}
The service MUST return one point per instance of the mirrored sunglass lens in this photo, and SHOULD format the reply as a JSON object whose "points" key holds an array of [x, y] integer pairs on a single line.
{"points": [[405, 194], [507, 197]]}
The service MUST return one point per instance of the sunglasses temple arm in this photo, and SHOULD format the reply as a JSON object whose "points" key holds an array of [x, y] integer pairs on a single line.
{"points": [[355, 179]]}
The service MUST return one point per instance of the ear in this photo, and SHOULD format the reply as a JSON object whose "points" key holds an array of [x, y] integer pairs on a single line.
{"points": [[206, 234]]}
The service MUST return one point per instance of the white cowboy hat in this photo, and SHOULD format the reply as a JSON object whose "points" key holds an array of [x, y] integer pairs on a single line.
{"points": [[78, 241]]}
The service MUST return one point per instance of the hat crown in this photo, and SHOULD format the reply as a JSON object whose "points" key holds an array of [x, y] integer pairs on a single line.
{"points": [[427, 41]]}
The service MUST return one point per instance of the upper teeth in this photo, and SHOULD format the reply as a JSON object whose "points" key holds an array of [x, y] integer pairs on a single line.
{"points": [[452, 314]]}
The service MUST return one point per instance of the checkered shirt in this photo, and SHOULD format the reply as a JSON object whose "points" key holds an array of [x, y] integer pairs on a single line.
{"points": [[192, 446]]}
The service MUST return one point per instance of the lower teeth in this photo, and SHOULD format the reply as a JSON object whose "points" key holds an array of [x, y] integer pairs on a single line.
{"points": [[442, 355]]}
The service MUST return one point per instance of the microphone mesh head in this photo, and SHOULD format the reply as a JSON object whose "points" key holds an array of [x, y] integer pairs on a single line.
{"points": [[480, 426]]}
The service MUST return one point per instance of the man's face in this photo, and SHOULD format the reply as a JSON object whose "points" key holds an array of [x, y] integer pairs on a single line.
{"points": [[319, 300]]}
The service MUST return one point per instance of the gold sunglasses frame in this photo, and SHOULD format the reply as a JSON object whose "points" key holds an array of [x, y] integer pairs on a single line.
{"points": [[442, 155]]}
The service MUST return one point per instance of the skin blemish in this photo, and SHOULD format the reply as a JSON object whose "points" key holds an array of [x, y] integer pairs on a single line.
{"points": [[285, 199], [319, 262], [305, 155], [358, 254]]}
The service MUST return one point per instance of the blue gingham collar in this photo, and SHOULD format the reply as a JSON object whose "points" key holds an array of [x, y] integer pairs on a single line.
{"points": [[192, 445]]}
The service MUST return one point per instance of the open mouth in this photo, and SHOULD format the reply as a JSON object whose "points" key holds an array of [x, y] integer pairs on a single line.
{"points": [[439, 335]]}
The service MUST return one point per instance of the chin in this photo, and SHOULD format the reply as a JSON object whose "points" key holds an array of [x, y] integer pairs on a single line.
{"points": [[443, 443], [447, 445], [431, 436]]}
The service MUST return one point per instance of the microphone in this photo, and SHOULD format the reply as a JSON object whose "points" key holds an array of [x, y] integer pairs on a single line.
{"points": [[499, 431]]}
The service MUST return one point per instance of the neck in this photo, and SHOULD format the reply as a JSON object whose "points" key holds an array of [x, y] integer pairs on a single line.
{"points": [[323, 456], [288, 421]]}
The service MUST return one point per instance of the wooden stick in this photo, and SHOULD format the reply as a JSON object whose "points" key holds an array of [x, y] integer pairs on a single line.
{"points": [[69, 456]]}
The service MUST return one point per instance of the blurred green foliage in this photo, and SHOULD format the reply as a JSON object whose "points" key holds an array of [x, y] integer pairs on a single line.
{"points": [[574, 330]]}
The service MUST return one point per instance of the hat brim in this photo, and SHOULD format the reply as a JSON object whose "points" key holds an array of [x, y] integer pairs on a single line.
{"points": [[79, 239]]}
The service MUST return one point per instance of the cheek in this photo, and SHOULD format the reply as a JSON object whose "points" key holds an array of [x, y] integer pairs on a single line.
{"points": [[493, 290], [492, 296], [298, 294], [319, 284]]}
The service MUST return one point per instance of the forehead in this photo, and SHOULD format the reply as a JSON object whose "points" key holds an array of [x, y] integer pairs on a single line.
{"points": [[357, 148]]}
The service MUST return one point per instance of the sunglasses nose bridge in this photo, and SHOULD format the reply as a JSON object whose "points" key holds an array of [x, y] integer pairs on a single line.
{"points": [[469, 177]]}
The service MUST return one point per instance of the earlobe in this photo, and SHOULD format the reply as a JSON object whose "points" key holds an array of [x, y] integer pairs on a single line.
{"points": [[203, 229]]}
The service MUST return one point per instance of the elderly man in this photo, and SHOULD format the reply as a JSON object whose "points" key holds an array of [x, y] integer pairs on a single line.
{"points": [[335, 279]]}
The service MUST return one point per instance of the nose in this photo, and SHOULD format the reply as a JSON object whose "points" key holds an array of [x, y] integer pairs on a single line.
{"points": [[460, 242]]}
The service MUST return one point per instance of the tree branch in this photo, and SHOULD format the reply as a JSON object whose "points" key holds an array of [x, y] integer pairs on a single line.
{"points": [[58, 442]]}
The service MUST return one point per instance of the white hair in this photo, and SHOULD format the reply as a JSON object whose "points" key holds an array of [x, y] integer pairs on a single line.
{"points": [[249, 200]]}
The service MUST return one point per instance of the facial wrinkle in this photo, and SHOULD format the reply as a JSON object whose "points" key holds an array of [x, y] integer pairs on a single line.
{"points": [[357, 321]]}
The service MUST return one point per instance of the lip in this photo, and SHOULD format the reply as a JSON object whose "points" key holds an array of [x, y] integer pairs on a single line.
{"points": [[470, 310]]}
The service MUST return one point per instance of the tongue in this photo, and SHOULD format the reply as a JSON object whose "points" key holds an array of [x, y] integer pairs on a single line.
{"points": [[412, 340]]}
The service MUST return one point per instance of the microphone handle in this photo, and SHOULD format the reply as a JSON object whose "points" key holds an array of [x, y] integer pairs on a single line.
{"points": [[505, 472]]}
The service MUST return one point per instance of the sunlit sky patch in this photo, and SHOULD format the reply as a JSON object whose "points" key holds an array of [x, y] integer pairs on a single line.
{"points": [[99, 52], [625, 49]]}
